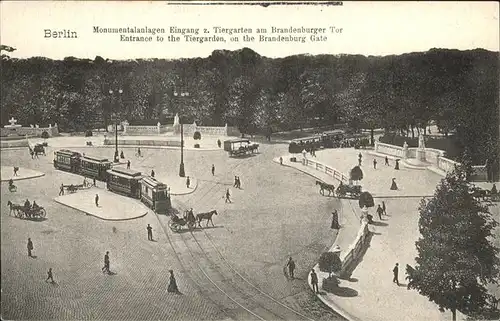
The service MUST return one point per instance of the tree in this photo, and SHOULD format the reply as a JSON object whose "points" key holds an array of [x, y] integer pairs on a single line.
{"points": [[356, 173], [366, 199], [329, 262], [455, 257]]}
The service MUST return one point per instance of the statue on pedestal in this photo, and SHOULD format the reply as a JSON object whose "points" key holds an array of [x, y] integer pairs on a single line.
{"points": [[421, 142], [176, 120], [405, 145]]}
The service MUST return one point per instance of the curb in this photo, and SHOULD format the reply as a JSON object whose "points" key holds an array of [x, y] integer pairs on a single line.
{"points": [[23, 178], [190, 192], [328, 303], [104, 219]]}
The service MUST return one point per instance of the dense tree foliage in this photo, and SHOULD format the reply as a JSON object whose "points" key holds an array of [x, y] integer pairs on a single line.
{"points": [[456, 89], [456, 258], [329, 262]]}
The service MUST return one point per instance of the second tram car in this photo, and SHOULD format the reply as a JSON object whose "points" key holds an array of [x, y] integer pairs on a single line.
{"points": [[124, 181], [95, 167]]}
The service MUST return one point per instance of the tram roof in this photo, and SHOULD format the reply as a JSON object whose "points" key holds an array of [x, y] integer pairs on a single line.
{"points": [[95, 159], [306, 138], [124, 171], [67, 152], [153, 182], [235, 141], [335, 131]]}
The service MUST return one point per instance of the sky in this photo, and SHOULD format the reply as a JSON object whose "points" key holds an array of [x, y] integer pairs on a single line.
{"points": [[368, 28]]}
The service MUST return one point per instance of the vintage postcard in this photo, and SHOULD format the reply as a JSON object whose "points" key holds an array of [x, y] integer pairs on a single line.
{"points": [[249, 160]]}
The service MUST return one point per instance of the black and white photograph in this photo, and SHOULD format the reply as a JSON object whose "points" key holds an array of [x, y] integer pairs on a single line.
{"points": [[250, 160]]}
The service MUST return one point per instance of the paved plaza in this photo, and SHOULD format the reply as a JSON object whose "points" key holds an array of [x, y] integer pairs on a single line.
{"points": [[111, 206], [7, 173], [231, 270]]}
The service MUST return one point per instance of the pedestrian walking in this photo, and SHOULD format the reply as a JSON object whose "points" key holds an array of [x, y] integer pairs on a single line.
{"points": [[152, 173], [218, 143], [93, 182], [380, 211], [383, 207], [374, 163], [172, 285], [291, 267], [150, 233], [335, 221], [105, 268], [97, 200], [213, 169], [238, 181], [49, 276], [139, 152], [387, 161], [122, 155], [188, 182], [128, 164], [394, 186], [61, 190], [15, 170], [30, 247], [314, 281], [396, 167], [395, 272], [281, 160], [228, 196], [235, 181]]}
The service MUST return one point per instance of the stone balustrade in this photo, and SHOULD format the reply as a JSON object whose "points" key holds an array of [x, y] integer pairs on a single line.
{"points": [[30, 131], [326, 169], [351, 256]]}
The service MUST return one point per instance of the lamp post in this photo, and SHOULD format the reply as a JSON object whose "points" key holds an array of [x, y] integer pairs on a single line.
{"points": [[182, 173], [115, 116]]}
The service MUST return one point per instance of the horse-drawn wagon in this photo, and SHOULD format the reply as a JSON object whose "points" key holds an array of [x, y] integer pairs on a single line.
{"points": [[176, 223], [238, 147], [352, 190]]}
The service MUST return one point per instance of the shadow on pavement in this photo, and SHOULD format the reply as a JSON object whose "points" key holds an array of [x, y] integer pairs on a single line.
{"points": [[378, 223], [345, 292], [352, 280], [245, 156]]}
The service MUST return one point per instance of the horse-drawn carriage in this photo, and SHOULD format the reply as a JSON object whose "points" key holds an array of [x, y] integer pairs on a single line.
{"points": [[352, 190], [190, 220], [36, 150], [25, 211], [238, 147], [176, 223]]}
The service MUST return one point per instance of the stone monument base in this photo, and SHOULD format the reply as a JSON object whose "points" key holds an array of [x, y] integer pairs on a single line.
{"points": [[421, 155]]}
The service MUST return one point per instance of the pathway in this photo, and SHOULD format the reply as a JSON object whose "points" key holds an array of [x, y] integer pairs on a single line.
{"points": [[370, 294]]}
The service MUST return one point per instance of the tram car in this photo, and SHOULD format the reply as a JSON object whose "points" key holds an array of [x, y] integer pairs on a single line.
{"points": [[237, 147], [95, 167], [77, 163], [155, 195], [67, 160], [124, 181]]}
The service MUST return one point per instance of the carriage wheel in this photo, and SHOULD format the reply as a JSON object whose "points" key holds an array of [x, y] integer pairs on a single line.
{"points": [[19, 214], [175, 227], [42, 212], [191, 225]]}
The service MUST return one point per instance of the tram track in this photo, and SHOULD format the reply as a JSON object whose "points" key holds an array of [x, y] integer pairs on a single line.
{"points": [[200, 252]]}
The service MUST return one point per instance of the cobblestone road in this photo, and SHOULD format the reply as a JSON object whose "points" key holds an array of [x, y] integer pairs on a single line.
{"points": [[277, 213]]}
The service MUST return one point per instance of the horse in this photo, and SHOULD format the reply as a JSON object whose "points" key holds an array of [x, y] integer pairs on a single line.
{"points": [[206, 216], [325, 186], [14, 207]]}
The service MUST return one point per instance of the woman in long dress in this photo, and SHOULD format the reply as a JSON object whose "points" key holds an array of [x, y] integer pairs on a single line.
{"points": [[397, 164], [172, 286], [393, 185]]}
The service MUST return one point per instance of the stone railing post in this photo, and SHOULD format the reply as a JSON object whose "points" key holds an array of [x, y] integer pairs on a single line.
{"points": [[376, 145], [158, 127]]}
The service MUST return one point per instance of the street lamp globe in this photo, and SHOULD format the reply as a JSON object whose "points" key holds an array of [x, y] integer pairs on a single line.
{"points": [[175, 93], [120, 91], [110, 92]]}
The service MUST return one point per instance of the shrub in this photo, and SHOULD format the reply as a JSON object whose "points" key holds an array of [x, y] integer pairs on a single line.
{"points": [[45, 135], [329, 262], [196, 145], [88, 133], [366, 199], [197, 135], [356, 173], [293, 148]]}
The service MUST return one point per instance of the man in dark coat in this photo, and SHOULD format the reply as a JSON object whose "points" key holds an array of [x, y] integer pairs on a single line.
{"points": [[314, 281], [213, 169], [291, 267], [61, 190], [380, 211], [150, 232], [30, 247], [50, 276], [188, 182], [387, 161], [128, 164], [97, 200], [105, 268], [152, 173], [374, 163], [395, 272]]}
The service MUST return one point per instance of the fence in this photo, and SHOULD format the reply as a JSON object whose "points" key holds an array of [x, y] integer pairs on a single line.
{"points": [[351, 257], [330, 171], [30, 131], [151, 142], [433, 156]]}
